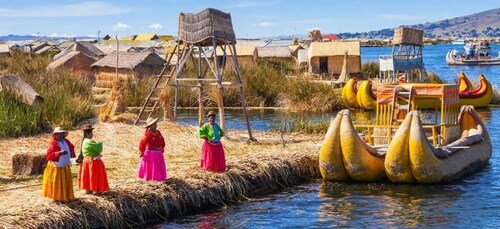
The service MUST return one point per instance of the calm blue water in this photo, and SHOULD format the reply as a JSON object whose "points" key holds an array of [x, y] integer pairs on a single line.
{"points": [[471, 203]]}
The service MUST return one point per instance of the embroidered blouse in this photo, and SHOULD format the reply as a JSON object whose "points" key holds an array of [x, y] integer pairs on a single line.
{"points": [[55, 147], [91, 148], [152, 141], [212, 132]]}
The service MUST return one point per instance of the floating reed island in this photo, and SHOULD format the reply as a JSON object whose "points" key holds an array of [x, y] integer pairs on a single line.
{"points": [[254, 168]]}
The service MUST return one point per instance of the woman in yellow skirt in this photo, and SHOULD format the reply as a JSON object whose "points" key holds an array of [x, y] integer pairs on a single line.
{"points": [[57, 180]]}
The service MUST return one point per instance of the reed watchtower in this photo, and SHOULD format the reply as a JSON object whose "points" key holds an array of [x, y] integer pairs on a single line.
{"points": [[201, 36], [406, 57]]}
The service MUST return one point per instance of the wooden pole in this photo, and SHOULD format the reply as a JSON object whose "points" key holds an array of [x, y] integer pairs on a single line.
{"points": [[200, 94], [236, 69], [220, 104]]}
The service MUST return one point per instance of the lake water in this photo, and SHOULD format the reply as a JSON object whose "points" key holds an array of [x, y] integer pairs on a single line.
{"points": [[473, 202]]}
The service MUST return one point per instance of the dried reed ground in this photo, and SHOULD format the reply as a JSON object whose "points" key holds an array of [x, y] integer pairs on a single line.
{"points": [[253, 169]]}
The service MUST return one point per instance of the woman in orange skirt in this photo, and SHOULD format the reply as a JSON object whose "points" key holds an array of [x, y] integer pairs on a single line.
{"points": [[92, 173], [212, 152], [57, 180]]}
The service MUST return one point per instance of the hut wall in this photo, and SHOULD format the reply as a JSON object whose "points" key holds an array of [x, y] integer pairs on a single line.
{"points": [[105, 76], [335, 65]]}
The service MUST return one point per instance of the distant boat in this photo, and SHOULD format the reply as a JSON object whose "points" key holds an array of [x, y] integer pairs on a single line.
{"points": [[475, 54], [458, 42]]}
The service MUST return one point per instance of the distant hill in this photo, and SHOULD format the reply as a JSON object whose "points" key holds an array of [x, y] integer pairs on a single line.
{"points": [[483, 24]]}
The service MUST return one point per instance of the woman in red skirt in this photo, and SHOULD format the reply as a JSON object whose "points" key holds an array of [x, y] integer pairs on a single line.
{"points": [[92, 175], [212, 152]]}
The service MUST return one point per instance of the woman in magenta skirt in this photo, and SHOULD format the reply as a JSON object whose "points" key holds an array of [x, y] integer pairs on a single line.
{"points": [[212, 152], [151, 150]]}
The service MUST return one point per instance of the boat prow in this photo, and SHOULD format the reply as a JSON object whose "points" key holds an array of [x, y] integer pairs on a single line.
{"points": [[344, 155], [349, 92], [480, 97], [365, 97], [361, 161]]}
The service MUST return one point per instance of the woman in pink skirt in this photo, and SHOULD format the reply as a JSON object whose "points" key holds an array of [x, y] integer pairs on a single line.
{"points": [[151, 150], [212, 152]]}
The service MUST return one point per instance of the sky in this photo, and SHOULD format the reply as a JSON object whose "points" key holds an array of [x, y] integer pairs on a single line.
{"points": [[251, 18]]}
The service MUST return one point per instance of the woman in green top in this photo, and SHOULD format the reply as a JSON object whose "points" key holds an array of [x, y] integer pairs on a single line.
{"points": [[212, 152], [92, 173]]}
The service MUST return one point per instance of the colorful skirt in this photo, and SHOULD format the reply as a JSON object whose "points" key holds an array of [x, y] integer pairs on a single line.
{"points": [[92, 176], [57, 182], [153, 166], [212, 157]]}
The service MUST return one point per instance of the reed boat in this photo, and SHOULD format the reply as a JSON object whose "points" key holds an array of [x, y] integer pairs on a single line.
{"points": [[347, 154], [412, 158], [349, 92], [474, 54], [479, 97]]}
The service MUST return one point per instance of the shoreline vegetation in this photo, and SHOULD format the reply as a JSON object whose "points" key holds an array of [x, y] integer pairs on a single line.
{"points": [[70, 99], [254, 169]]}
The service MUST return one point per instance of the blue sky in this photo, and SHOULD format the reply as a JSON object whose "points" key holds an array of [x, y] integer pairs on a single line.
{"points": [[251, 18]]}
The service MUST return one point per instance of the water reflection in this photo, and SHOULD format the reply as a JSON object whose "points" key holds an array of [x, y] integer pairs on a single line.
{"points": [[387, 205]]}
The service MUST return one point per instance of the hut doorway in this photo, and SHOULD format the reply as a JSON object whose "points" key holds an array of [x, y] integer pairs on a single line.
{"points": [[323, 65]]}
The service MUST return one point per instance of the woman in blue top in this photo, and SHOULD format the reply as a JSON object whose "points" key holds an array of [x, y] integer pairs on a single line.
{"points": [[212, 152]]}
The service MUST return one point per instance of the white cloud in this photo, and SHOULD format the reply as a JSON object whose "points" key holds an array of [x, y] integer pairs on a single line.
{"points": [[247, 4], [156, 26], [120, 26], [399, 17], [266, 24], [82, 9]]}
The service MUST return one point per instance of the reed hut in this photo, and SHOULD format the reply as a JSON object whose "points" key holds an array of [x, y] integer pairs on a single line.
{"points": [[84, 47], [136, 64], [50, 50], [328, 57], [77, 62], [146, 37], [4, 50], [246, 55], [278, 52]]}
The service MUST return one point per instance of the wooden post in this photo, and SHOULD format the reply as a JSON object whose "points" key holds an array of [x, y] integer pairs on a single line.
{"points": [[218, 76], [236, 69], [200, 94]]}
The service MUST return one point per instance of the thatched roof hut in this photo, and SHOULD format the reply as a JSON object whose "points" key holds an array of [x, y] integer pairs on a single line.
{"points": [[252, 42], [137, 64], [146, 37], [78, 62], [328, 57], [50, 50], [274, 52], [84, 47], [203, 26]]}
